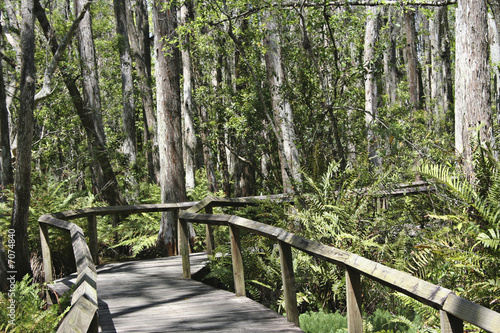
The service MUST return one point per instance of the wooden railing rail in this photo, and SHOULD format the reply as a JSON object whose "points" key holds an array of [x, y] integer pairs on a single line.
{"points": [[453, 309], [83, 313]]}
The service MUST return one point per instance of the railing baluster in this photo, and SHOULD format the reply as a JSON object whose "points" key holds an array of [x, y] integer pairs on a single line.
{"points": [[288, 277], [354, 315], [184, 246], [209, 238], [450, 323], [238, 271], [92, 232]]}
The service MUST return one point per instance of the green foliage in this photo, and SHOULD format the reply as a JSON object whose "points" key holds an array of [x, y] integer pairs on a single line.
{"points": [[320, 322], [31, 312]]}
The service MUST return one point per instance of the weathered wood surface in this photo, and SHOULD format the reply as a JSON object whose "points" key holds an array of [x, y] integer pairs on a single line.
{"points": [[152, 296]]}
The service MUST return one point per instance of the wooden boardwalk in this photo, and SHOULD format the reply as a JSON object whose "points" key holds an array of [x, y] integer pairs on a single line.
{"points": [[152, 296]]}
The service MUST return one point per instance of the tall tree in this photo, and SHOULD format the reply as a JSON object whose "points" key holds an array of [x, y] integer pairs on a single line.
{"points": [[413, 67], [6, 175], [441, 82], [282, 110], [472, 80], [138, 29], [22, 180], [189, 137], [390, 62], [371, 91], [103, 176], [128, 102], [169, 119]]}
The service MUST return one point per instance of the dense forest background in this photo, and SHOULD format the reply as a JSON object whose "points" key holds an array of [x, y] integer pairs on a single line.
{"points": [[133, 101]]}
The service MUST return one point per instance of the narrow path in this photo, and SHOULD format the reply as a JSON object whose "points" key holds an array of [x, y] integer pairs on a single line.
{"points": [[152, 296]]}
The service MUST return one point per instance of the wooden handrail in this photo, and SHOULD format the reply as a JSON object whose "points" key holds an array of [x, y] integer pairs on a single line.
{"points": [[82, 315], [454, 309]]}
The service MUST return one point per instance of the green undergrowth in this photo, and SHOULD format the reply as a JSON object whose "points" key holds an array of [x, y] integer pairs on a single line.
{"points": [[24, 309]]}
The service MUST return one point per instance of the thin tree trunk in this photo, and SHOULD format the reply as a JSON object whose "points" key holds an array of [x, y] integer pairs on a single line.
{"points": [[22, 182], [413, 67], [440, 64], [6, 176], [139, 42], [187, 102], [169, 120], [128, 102], [472, 80], [283, 117], [390, 64], [371, 92]]}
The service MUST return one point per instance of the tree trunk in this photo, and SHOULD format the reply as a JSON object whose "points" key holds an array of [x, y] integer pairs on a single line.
{"points": [[440, 64], [6, 175], [103, 176], [187, 102], [371, 91], [390, 63], [472, 80], [413, 67], [169, 120], [22, 182], [128, 102], [138, 30], [495, 61], [283, 117]]}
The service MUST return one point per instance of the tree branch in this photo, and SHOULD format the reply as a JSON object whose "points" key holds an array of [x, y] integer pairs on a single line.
{"points": [[46, 90]]}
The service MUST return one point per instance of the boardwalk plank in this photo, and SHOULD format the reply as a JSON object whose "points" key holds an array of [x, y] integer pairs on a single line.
{"points": [[152, 296]]}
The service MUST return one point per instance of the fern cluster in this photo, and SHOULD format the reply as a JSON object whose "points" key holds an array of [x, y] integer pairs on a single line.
{"points": [[32, 314]]}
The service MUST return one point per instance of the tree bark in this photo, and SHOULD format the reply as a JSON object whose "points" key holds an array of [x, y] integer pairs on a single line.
{"points": [[441, 84], [138, 30], [472, 80], [390, 60], [128, 102], [371, 91], [187, 101], [283, 117], [22, 180], [6, 175], [169, 119], [413, 67]]}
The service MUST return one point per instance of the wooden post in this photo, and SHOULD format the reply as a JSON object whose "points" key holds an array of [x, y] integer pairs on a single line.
{"points": [[353, 293], [184, 246], [287, 275], [209, 238], [47, 257], [238, 271], [450, 323], [92, 232]]}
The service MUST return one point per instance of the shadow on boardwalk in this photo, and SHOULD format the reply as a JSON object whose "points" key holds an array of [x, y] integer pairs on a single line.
{"points": [[152, 296]]}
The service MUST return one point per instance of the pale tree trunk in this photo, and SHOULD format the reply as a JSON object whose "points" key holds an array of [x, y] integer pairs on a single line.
{"points": [[169, 120], [413, 67], [472, 80], [138, 30], [426, 57], [89, 108], [495, 61], [390, 60], [371, 94], [440, 64], [6, 175], [128, 102], [283, 118], [187, 101], [22, 180]]}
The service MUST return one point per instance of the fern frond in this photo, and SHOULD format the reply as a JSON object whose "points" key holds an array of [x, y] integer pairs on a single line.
{"points": [[491, 240]]}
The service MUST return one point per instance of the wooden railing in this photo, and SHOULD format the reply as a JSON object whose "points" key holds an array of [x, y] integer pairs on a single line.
{"points": [[82, 315]]}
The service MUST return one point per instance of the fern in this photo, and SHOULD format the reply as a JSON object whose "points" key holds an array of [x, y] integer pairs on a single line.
{"points": [[491, 240]]}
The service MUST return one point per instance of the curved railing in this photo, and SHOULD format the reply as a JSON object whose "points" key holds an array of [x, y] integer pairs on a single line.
{"points": [[82, 315]]}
